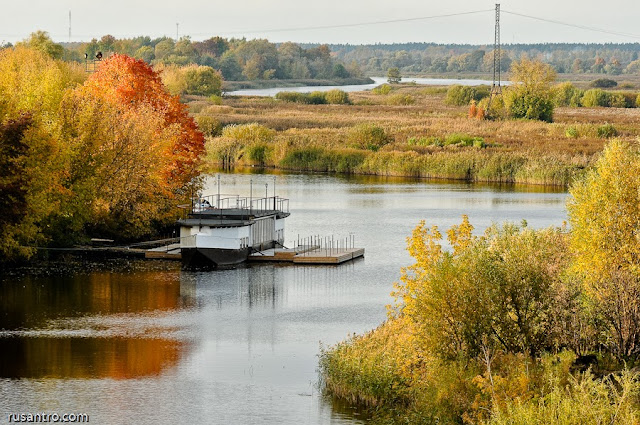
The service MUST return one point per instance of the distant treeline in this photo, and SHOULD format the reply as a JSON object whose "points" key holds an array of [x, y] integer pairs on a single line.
{"points": [[250, 60], [613, 59], [237, 59]]}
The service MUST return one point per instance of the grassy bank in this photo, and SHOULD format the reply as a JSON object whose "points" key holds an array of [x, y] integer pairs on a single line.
{"points": [[267, 84], [398, 381], [411, 131]]}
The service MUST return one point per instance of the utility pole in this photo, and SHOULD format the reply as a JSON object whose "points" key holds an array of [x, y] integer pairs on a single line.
{"points": [[177, 25], [496, 87], [69, 26]]}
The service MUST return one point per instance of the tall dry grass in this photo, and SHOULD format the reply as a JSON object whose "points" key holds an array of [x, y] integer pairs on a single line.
{"points": [[316, 137]]}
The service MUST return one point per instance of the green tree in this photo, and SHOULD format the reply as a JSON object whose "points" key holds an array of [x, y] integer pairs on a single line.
{"points": [[202, 80], [41, 41], [393, 76], [146, 53], [530, 96]]}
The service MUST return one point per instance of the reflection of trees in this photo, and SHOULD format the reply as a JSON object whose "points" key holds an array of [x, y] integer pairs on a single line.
{"points": [[30, 301], [116, 358]]}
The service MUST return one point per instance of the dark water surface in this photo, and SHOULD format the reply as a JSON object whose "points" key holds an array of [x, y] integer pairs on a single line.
{"points": [[160, 346]]}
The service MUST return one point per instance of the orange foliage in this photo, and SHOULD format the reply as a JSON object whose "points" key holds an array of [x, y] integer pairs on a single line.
{"points": [[473, 110], [131, 82]]}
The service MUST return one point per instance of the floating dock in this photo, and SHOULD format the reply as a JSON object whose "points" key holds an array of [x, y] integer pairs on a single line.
{"points": [[309, 254]]}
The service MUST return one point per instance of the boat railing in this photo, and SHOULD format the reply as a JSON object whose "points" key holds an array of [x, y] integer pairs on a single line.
{"points": [[236, 202]]}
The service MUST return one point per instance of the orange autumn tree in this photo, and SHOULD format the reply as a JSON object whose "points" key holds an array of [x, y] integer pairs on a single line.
{"points": [[134, 150], [127, 81]]}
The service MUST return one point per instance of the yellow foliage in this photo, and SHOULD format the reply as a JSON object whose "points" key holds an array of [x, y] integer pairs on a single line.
{"points": [[604, 212]]}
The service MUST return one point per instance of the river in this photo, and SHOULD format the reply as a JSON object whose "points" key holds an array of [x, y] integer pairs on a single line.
{"points": [[151, 344], [360, 87]]}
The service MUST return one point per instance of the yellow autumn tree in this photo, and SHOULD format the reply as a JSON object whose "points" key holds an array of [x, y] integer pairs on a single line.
{"points": [[499, 291], [604, 212], [32, 85]]}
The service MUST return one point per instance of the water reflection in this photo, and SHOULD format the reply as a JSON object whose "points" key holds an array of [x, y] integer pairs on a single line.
{"points": [[89, 325], [31, 301], [116, 358], [238, 345]]}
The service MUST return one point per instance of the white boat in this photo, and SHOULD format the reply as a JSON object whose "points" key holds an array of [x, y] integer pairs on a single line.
{"points": [[223, 230]]}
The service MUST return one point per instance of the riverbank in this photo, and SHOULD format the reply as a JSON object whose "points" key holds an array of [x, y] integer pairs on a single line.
{"points": [[410, 131], [266, 84], [515, 326]]}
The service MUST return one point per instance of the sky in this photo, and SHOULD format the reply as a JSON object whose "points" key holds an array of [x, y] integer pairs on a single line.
{"points": [[201, 19]]}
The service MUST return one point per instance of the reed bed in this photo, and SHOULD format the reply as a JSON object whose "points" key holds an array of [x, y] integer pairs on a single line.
{"points": [[316, 137]]}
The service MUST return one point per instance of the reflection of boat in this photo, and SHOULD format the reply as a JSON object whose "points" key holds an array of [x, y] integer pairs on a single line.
{"points": [[223, 230]]}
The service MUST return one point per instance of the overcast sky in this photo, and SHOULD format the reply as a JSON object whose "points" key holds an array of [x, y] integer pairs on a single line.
{"points": [[202, 19]]}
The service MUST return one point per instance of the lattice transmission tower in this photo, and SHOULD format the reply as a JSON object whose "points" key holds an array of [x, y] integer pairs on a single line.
{"points": [[496, 87]]}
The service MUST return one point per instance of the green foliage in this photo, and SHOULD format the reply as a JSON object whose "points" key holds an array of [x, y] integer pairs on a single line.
{"points": [[530, 96], [314, 98], [257, 153], [41, 42], [337, 97], [595, 97], [463, 95], [382, 89], [607, 131], [603, 83], [401, 99], [572, 132], [209, 126], [367, 136], [566, 94], [202, 80], [16, 220], [617, 100], [292, 97], [393, 75], [249, 133]]}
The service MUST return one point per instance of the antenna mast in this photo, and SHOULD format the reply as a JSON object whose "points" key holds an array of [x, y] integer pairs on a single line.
{"points": [[496, 88], [177, 25]]}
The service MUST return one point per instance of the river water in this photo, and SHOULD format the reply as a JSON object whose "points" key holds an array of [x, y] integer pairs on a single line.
{"points": [[151, 344], [360, 87]]}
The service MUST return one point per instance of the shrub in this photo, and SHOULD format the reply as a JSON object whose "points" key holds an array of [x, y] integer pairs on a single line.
{"points": [[291, 97], [595, 97], [571, 132], [314, 98], [337, 97], [607, 131], [617, 100], [401, 99], [257, 153], [248, 133], [368, 136], [566, 94], [382, 89], [208, 125], [463, 95], [522, 104], [603, 83]]}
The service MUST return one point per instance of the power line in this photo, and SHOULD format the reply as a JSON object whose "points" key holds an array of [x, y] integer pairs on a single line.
{"points": [[322, 27], [567, 24]]}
